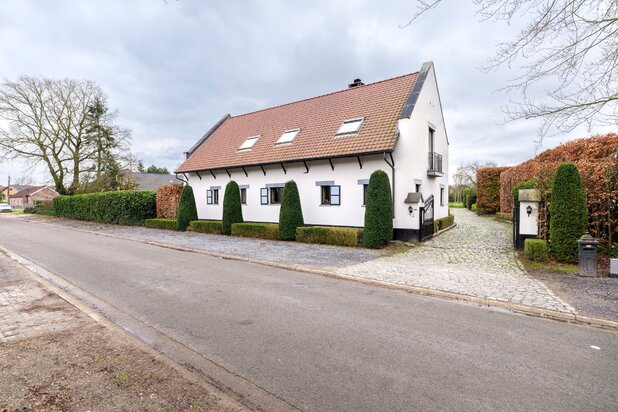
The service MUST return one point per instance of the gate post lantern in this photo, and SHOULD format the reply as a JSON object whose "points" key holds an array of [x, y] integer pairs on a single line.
{"points": [[587, 256], [528, 216]]}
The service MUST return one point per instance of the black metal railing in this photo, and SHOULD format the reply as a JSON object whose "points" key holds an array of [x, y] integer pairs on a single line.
{"points": [[435, 162]]}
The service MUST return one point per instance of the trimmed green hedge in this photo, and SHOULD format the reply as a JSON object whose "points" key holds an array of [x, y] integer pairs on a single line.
{"points": [[232, 208], [207, 226], [257, 230], [187, 210], [290, 213], [474, 207], [445, 222], [123, 207], [568, 213], [167, 224], [536, 250], [504, 216], [378, 211], [341, 236]]}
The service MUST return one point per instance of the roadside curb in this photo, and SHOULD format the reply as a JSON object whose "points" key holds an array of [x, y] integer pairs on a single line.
{"points": [[517, 308]]}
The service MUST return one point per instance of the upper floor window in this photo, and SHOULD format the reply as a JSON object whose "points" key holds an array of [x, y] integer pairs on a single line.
{"points": [[249, 143], [331, 195], [288, 136], [432, 140], [350, 126]]}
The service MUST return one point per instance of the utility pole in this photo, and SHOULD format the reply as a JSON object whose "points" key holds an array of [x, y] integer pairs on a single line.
{"points": [[8, 191]]}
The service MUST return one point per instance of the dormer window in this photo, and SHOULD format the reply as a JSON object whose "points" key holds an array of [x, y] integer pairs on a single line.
{"points": [[350, 126], [249, 143], [288, 136]]}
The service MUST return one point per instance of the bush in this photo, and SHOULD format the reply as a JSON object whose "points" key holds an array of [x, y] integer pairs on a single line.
{"points": [[340, 236], [536, 250], [168, 197], [474, 208], [471, 201], [290, 213], [123, 207], [378, 211], [257, 230], [445, 222], [232, 208], [186, 209], [167, 224], [568, 213], [207, 226], [488, 189], [30, 210], [504, 216]]}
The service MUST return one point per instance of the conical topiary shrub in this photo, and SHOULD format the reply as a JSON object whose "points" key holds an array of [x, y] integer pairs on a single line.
{"points": [[232, 208], [568, 214], [290, 213], [186, 209], [378, 211]]}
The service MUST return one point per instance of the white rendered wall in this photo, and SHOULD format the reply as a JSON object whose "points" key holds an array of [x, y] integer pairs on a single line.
{"points": [[347, 172], [411, 154], [528, 224]]}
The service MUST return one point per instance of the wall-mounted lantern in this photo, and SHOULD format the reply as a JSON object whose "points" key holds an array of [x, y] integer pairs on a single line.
{"points": [[413, 199], [529, 210], [411, 210]]}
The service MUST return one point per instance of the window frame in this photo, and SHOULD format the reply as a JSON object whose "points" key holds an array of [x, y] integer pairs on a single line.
{"points": [[295, 131], [209, 197], [441, 196], [271, 191], [253, 138], [360, 121], [365, 188], [327, 195], [243, 195], [215, 196]]}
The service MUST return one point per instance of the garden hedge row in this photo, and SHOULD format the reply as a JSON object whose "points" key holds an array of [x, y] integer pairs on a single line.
{"points": [[488, 189], [536, 250], [124, 207], [441, 224], [160, 223], [340, 236], [504, 216], [207, 226], [257, 230]]}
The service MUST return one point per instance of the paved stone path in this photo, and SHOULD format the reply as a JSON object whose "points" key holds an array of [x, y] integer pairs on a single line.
{"points": [[476, 258]]}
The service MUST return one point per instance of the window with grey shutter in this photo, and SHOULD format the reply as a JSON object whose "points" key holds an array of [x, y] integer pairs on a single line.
{"points": [[264, 196], [209, 197]]}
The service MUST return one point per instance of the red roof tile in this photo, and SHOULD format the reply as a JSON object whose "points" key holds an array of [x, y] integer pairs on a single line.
{"points": [[318, 118]]}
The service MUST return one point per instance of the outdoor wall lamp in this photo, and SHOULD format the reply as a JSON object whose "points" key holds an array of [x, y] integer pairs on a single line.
{"points": [[411, 210], [529, 210]]}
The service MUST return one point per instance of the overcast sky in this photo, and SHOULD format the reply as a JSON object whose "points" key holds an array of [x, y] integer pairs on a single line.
{"points": [[173, 69]]}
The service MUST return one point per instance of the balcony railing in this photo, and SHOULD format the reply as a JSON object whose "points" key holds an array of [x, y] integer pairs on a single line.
{"points": [[434, 167]]}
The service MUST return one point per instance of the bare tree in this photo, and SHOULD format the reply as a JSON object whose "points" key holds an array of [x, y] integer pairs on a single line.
{"points": [[51, 122], [572, 45], [465, 176]]}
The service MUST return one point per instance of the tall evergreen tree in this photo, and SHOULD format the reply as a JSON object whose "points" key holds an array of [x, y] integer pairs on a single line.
{"points": [[187, 210], [378, 211], [290, 213], [232, 208]]}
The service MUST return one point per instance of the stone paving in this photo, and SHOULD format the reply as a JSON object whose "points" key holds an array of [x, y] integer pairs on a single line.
{"points": [[476, 258]]}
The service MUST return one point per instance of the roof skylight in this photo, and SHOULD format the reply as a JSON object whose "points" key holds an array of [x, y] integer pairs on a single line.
{"points": [[249, 143], [288, 136], [350, 126]]}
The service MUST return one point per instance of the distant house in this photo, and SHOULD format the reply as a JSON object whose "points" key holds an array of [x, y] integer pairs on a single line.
{"points": [[151, 181], [3, 196], [28, 197], [330, 145]]}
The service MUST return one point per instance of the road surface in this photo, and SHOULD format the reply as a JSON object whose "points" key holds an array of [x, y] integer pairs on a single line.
{"points": [[326, 344]]}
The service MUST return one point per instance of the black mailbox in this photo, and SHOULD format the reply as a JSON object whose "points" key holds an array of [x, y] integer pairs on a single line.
{"points": [[588, 255]]}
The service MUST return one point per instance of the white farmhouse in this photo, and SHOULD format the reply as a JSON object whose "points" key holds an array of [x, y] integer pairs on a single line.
{"points": [[329, 145]]}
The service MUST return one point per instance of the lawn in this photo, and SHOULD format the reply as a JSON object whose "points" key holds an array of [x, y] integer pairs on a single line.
{"points": [[456, 205], [17, 211]]}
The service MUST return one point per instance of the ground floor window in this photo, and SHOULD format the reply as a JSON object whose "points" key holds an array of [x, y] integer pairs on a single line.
{"points": [[276, 194], [331, 195], [243, 196], [441, 196], [264, 196], [365, 194], [212, 196]]}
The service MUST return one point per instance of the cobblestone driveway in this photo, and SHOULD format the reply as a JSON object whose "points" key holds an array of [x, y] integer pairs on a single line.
{"points": [[475, 259]]}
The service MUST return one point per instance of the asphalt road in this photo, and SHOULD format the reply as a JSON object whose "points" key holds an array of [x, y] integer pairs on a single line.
{"points": [[324, 344]]}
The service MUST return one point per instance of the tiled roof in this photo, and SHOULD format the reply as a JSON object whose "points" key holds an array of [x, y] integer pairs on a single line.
{"points": [[26, 192], [319, 118]]}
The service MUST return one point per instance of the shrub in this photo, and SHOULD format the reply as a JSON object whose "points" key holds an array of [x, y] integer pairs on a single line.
{"points": [[232, 208], [290, 213], [504, 216], [568, 213], [206, 226], [167, 224], [474, 208], [536, 250], [378, 211], [123, 207], [186, 209], [258, 230], [30, 210], [443, 223], [471, 201], [488, 189], [168, 197], [340, 236]]}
